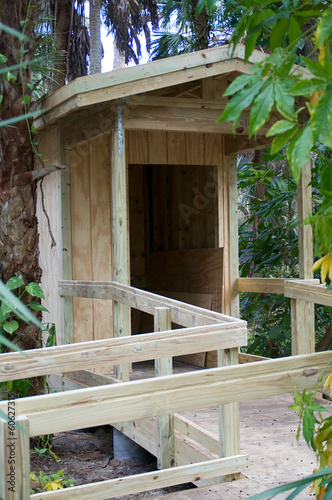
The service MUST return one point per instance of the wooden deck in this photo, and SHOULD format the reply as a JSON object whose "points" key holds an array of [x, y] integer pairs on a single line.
{"points": [[268, 435]]}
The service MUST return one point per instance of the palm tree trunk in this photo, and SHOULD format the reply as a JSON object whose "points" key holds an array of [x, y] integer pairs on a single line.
{"points": [[18, 223], [95, 41], [61, 41]]}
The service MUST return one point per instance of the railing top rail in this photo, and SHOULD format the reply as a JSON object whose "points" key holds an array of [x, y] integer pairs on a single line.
{"points": [[156, 396], [88, 355], [182, 314]]}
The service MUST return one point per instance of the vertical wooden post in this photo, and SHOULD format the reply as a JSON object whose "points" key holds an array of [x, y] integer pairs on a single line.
{"points": [[165, 423], [120, 231], [233, 235], [303, 312], [66, 271], [14, 459], [229, 416]]}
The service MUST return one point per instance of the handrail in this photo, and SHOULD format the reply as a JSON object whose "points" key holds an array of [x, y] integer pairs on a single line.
{"points": [[182, 314], [268, 285]]}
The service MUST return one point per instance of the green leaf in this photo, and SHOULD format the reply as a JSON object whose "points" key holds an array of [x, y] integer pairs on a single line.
{"points": [[26, 100], [1, 97], [14, 282], [280, 127], [3, 59], [261, 109], [299, 150], [309, 422], [238, 103], [37, 307], [295, 32], [200, 7], [16, 305], [10, 77], [254, 30], [278, 33], [35, 290], [297, 397], [315, 68], [281, 140], [10, 326], [324, 28], [322, 114], [238, 84], [284, 101], [305, 87], [14, 32], [4, 316]]}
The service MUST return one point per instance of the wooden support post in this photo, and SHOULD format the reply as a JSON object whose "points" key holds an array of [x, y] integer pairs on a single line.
{"points": [[231, 250], [229, 416], [14, 457], [303, 313], [165, 423], [66, 271], [120, 231]]}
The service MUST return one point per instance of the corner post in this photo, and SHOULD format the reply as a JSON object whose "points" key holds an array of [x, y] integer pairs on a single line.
{"points": [[15, 458], [303, 312], [165, 423], [120, 230]]}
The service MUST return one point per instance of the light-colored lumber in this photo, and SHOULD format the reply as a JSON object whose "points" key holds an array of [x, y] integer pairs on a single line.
{"points": [[164, 423], [101, 248], [114, 488], [229, 415], [239, 144], [77, 409], [303, 330], [182, 314], [196, 433], [81, 237], [303, 290], [233, 236], [15, 456], [120, 231], [91, 354], [137, 142], [157, 147], [249, 358], [268, 285], [66, 271]]}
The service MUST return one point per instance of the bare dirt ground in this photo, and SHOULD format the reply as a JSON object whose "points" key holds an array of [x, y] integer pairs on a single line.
{"points": [[87, 457]]}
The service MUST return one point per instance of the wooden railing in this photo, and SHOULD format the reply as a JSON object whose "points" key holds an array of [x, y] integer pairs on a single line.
{"points": [[303, 294], [163, 396]]}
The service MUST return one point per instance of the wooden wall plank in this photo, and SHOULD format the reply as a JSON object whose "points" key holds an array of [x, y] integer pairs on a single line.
{"points": [[157, 147], [101, 238], [48, 193], [81, 238], [195, 149], [176, 148], [137, 147]]}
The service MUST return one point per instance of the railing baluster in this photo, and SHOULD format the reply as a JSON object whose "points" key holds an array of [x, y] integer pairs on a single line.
{"points": [[165, 423]]}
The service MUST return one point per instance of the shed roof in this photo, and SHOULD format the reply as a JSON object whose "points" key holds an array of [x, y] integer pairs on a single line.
{"points": [[104, 87]]}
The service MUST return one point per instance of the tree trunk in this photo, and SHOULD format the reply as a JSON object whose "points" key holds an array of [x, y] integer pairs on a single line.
{"points": [[95, 41], [118, 57], [61, 44], [201, 27], [18, 223]]}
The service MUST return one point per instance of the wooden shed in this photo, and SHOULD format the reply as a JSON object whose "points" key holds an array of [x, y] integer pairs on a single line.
{"points": [[150, 195], [148, 203]]}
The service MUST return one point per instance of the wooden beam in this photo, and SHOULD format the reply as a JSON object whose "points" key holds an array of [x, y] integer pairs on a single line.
{"points": [[120, 230], [184, 118], [14, 455], [78, 356], [114, 488], [303, 313], [165, 423], [52, 413], [182, 314], [196, 433], [229, 415], [267, 285], [303, 290], [250, 358], [233, 236], [238, 144]]}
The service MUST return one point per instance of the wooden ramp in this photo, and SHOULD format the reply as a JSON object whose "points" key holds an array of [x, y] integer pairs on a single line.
{"points": [[268, 436]]}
